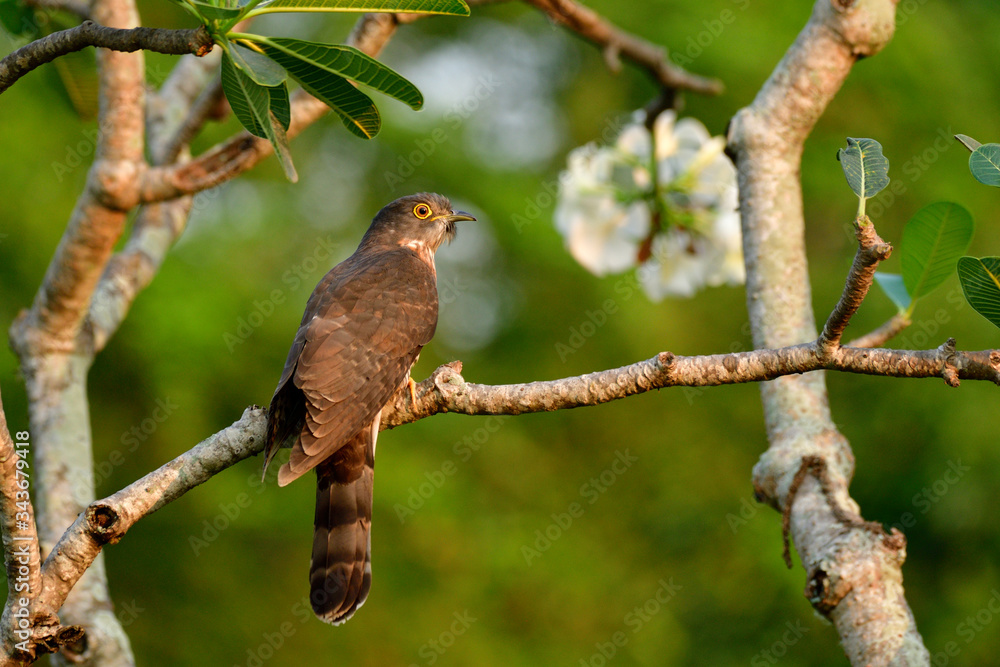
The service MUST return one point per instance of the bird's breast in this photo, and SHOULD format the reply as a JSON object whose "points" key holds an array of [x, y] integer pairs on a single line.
{"points": [[423, 251]]}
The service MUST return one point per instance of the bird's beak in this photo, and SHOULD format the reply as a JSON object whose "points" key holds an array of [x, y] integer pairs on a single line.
{"points": [[458, 216]]}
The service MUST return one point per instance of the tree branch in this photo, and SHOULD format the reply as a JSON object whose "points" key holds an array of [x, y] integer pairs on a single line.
{"points": [[871, 250], [174, 115], [106, 521], [616, 42], [178, 105], [243, 151], [56, 351], [879, 337], [854, 576], [447, 391], [88, 33]]}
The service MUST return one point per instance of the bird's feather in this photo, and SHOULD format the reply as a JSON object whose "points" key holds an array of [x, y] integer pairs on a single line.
{"points": [[359, 338]]}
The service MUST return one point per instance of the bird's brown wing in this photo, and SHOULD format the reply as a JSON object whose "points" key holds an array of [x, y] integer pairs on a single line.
{"points": [[358, 344]]}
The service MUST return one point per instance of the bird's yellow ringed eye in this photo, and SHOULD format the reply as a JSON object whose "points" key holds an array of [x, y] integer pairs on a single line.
{"points": [[421, 211]]}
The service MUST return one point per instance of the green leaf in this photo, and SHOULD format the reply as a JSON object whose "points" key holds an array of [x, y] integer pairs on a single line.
{"points": [[355, 109], [452, 7], [263, 111], [257, 66], [980, 278], [866, 169], [892, 285], [933, 240], [984, 163], [280, 142], [968, 141], [344, 61], [280, 105], [211, 12]]}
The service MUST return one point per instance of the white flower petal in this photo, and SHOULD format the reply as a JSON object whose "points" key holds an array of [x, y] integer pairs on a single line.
{"points": [[636, 142], [697, 182], [604, 235], [691, 133], [663, 133], [676, 268], [726, 235], [642, 178]]}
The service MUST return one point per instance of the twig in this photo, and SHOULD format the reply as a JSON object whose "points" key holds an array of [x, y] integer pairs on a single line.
{"points": [[615, 42], [88, 33], [871, 250], [879, 337], [243, 151], [176, 111], [106, 521], [200, 111]]}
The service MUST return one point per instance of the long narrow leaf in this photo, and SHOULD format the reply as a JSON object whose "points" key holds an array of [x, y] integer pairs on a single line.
{"points": [[933, 240], [238, 92], [355, 109], [980, 278], [280, 142], [258, 67], [255, 107], [452, 7], [280, 105], [344, 61]]}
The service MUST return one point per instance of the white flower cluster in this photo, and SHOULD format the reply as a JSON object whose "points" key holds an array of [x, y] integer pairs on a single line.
{"points": [[666, 200]]}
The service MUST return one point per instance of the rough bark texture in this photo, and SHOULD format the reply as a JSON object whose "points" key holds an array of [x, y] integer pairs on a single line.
{"points": [[854, 575], [88, 291], [88, 33], [55, 348], [106, 521], [854, 569]]}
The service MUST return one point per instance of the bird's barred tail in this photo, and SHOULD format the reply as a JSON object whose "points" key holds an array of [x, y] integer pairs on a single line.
{"points": [[341, 571]]}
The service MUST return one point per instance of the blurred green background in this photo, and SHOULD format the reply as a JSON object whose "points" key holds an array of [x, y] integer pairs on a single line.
{"points": [[220, 577]]}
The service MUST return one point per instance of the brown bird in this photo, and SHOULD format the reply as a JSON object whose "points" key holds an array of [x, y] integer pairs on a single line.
{"points": [[362, 331]]}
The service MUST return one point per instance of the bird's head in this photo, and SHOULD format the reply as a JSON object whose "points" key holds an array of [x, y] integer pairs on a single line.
{"points": [[422, 219]]}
